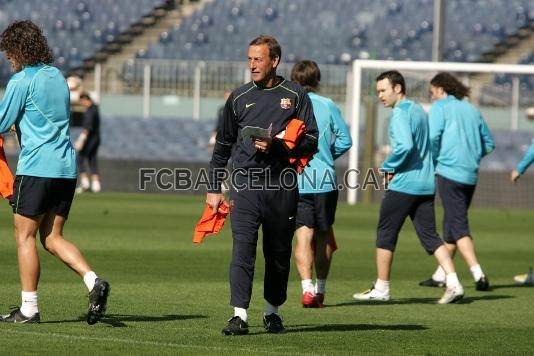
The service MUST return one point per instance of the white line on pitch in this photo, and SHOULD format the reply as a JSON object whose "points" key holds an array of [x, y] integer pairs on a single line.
{"points": [[147, 343]]}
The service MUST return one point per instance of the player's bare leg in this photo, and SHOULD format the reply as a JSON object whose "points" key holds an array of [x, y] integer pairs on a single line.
{"points": [[323, 261], [29, 270], [304, 262]]}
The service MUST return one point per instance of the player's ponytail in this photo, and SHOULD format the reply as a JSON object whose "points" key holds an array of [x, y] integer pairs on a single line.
{"points": [[450, 85]]}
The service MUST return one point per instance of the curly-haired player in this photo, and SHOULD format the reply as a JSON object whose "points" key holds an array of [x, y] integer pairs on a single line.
{"points": [[37, 102]]}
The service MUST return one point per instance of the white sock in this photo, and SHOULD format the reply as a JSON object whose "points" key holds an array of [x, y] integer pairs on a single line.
{"points": [[241, 312], [270, 309], [439, 275], [95, 186], [89, 279], [307, 286], [320, 286], [85, 183], [477, 273], [29, 304], [382, 286], [452, 280]]}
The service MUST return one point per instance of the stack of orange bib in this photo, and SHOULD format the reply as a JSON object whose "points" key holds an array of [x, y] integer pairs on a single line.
{"points": [[293, 133], [6, 177]]}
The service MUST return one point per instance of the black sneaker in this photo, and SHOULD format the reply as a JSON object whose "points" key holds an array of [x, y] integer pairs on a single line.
{"points": [[273, 324], [17, 317], [431, 282], [98, 299], [236, 326], [482, 284]]}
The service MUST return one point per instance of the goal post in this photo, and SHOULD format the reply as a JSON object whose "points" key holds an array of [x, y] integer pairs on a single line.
{"points": [[355, 87]]}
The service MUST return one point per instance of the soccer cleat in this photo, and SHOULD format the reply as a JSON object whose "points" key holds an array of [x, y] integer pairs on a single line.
{"points": [[309, 300], [482, 284], [320, 299], [98, 299], [452, 295], [236, 326], [17, 317], [431, 282], [372, 294], [526, 279], [273, 324]]}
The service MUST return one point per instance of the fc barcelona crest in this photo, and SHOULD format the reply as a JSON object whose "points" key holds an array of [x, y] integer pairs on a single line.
{"points": [[285, 103]]}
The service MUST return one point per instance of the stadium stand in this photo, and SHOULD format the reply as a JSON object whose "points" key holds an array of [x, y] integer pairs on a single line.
{"points": [[186, 141], [526, 82], [164, 140], [80, 31], [344, 30], [510, 146]]}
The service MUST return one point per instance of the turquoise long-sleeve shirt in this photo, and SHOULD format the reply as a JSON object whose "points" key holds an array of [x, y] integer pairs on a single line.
{"points": [[410, 160], [526, 161], [334, 140], [37, 101], [460, 138]]}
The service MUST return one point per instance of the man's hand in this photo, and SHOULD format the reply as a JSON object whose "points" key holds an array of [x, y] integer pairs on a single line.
{"points": [[214, 200], [80, 142], [263, 144], [514, 176]]}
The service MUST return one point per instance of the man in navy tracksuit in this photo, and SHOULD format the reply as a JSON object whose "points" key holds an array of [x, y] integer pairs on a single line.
{"points": [[263, 193]]}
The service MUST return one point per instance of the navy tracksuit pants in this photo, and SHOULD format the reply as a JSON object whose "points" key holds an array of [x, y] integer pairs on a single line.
{"points": [[275, 211]]}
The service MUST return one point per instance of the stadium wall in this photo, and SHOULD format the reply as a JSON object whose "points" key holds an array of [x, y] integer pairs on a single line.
{"points": [[494, 189]]}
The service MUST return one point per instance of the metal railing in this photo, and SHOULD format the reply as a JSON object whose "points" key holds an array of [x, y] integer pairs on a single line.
{"points": [[196, 79]]}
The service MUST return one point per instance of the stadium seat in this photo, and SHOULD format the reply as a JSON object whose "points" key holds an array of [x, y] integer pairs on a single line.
{"points": [[88, 24]]}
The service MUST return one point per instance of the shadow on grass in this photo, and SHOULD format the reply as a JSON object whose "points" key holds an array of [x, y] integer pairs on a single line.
{"points": [[117, 320], [469, 299], [465, 300], [514, 285], [354, 327], [345, 328]]}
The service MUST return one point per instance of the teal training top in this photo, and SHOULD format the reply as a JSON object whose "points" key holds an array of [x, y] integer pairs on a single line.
{"points": [[37, 101], [527, 160], [410, 160], [334, 140], [460, 138]]}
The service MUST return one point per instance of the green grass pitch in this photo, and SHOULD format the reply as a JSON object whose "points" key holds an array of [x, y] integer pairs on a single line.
{"points": [[170, 296]]}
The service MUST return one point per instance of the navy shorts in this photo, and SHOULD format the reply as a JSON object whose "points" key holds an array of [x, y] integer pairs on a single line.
{"points": [[395, 208], [456, 198], [34, 196], [317, 210]]}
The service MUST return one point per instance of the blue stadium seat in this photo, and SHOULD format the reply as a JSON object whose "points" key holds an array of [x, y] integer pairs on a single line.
{"points": [[345, 28], [165, 140], [87, 24]]}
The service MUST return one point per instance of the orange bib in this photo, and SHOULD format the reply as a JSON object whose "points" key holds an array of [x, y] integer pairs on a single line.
{"points": [[6, 177]]}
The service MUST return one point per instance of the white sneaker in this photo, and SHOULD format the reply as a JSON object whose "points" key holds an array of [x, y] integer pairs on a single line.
{"points": [[372, 294], [95, 186], [452, 294], [526, 279], [85, 184]]}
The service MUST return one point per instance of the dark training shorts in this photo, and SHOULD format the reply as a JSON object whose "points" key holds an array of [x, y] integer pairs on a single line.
{"points": [[317, 210], [34, 196], [395, 208], [456, 198]]}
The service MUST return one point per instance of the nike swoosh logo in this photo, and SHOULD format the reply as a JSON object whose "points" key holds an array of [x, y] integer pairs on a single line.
{"points": [[291, 217], [249, 105]]}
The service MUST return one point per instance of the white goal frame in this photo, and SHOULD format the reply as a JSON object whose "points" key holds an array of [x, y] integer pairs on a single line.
{"points": [[355, 88]]}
